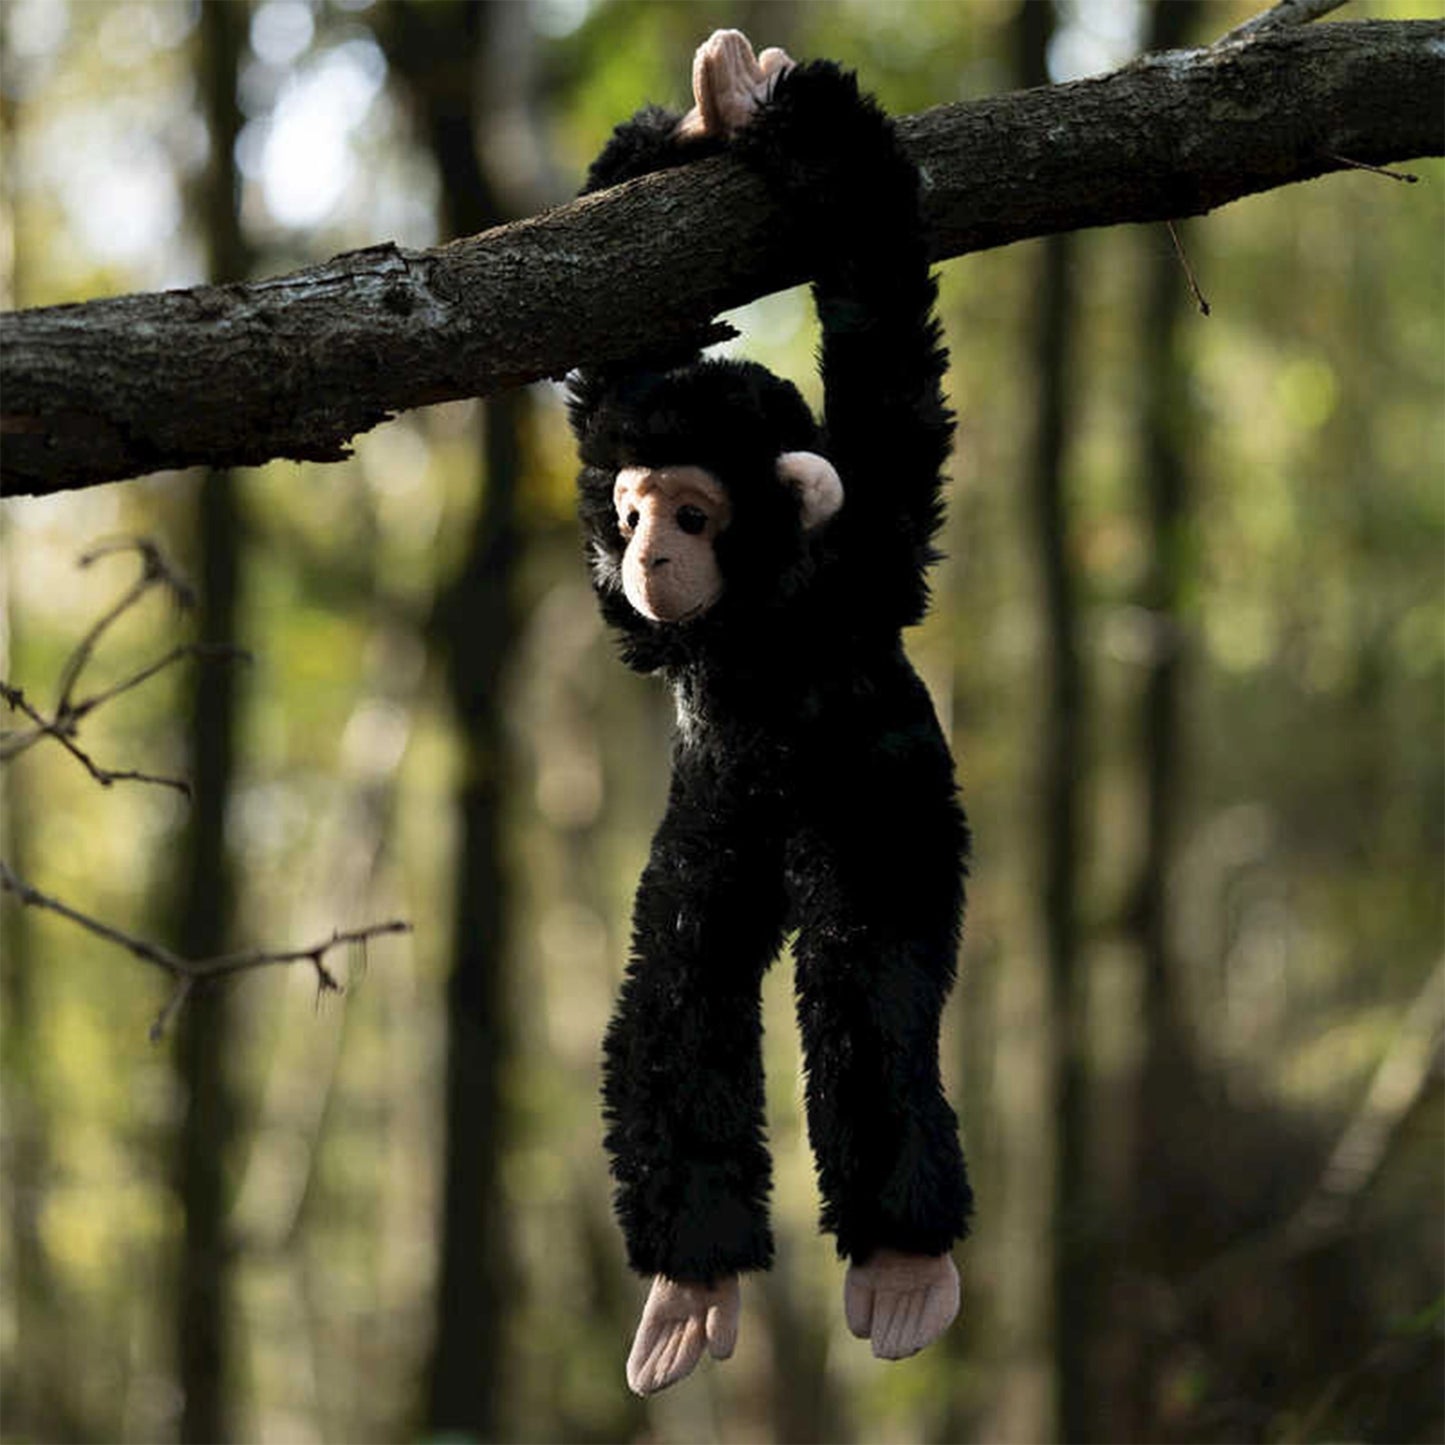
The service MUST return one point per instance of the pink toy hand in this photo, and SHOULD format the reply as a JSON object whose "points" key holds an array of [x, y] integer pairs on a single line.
{"points": [[677, 1320], [729, 83]]}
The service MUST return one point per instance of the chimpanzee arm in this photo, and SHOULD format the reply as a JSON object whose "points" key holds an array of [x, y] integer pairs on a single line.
{"points": [[853, 198], [646, 143]]}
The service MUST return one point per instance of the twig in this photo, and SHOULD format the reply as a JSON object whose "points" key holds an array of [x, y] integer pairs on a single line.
{"points": [[211, 651], [85, 648], [12, 882], [229, 963], [172, 1006], [60, 729], [1407, 176], [188, 972], [1188, 269], [1397, 1083], [1286, 12], [14, 743], [156, 571]]}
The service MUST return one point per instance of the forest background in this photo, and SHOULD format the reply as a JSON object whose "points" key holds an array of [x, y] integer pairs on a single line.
{"points": [[1187, 642]]}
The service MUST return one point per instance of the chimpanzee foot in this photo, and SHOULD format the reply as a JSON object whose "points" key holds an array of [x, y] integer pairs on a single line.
{"points": [[901, 1302], [678, 1320]]}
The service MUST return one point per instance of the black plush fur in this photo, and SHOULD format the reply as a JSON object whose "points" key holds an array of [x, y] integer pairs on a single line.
{"points": [[812, 788]]}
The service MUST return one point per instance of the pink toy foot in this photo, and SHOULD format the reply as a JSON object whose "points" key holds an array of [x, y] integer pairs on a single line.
{"points": [[901, 1302], [678, 1320]]}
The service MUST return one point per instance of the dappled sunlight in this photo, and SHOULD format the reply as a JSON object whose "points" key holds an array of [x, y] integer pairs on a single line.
{"points": [[301, 153]]}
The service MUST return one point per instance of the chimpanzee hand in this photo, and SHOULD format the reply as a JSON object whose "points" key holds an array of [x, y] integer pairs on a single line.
{"points": [[729, 83]]}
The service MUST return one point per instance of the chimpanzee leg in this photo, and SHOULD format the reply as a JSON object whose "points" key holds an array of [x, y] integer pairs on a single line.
{"points": [[890, 1169], [878, 879], [683, 1072]]}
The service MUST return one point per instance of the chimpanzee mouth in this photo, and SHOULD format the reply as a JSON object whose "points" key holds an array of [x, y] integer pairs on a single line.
{"points": [[685, 617]]}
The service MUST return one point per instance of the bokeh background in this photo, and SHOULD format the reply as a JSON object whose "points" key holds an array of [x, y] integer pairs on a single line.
{"points": [[1188, 644]]}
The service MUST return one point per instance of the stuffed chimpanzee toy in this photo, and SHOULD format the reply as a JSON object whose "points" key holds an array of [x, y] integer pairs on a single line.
{"points": [[765, 566]]}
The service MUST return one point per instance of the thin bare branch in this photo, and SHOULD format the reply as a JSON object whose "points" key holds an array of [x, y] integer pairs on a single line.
{"points": [[172, 1006], [1409, 177], [152, 953], [12, 744], [154, 564], [106, 776], [62, 730], [1179, 251], [189, 972], [1355, 1160], [186, 973], [261, 958], [1398, 1082], [207, 651], [85, 649], [1286, 12], [155, 572]]}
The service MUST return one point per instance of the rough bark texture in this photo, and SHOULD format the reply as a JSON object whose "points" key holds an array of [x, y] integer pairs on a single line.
{"points": [[296, 366]]}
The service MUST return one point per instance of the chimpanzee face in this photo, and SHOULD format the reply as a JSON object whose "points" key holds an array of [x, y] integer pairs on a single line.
{"points": [[676, 462], [671, 517]]}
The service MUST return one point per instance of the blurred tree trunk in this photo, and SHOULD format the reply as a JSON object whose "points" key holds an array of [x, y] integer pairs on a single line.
{"points": [[1171, 1118], [1062, 754], [802, 1401], [38, 1405], [440, 52], [477, 626], [204, 903], [1165, 434]]}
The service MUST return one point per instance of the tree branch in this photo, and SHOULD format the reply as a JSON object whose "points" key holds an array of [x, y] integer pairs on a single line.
{"points": [[65, 721], [156, 571], [297, 365], [188, 972], [1354, 1162]]}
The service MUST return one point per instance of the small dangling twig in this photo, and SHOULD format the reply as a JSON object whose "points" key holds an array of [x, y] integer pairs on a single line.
{"points": [[1408, 177], [1280, 16], [1188, 270]]}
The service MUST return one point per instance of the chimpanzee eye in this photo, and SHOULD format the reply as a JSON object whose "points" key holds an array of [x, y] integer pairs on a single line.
{"points": [[631, 520], [692, 520]]}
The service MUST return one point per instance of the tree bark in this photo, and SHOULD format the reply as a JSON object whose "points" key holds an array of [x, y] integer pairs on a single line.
{"points": [[202, 898], [297, 365]]}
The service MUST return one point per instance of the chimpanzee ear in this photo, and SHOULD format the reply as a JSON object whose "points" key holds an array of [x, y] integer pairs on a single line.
{"points": [[584, 393], [816, 484]]}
